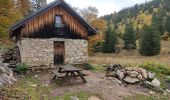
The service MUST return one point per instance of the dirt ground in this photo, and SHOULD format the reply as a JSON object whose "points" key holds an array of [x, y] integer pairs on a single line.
{"points": [[97, 84]]}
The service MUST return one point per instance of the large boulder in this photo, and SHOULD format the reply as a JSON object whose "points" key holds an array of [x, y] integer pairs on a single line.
{"points": [[4, 69], [151, 86], [156, 82], [131, 80], [144, 73], [120, 74], [6, 75], [133, 74]]}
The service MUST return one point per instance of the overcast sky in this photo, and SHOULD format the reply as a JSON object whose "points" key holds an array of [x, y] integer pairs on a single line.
{"points": [[104, 6]]}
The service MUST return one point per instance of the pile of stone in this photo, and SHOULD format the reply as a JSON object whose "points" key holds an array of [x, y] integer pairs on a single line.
{"points": [[12, 57], [6, 75], [133, 75]]}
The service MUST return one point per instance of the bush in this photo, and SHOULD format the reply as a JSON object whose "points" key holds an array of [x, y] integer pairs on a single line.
{"points": [[2, 47], [88, 66], [22, 68], [158, 69], [95, 44]]}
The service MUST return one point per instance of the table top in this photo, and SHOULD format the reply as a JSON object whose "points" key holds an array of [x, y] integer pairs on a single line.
{"points": [[70, 68]]}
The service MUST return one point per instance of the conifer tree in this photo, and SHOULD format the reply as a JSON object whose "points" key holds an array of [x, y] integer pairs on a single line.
{"points": [[150, 44], [167, 24], [129, 37], [110, 41]]}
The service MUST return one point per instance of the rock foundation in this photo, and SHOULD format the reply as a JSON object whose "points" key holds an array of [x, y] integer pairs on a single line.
{"points": [[133, 75], [38, 52]]}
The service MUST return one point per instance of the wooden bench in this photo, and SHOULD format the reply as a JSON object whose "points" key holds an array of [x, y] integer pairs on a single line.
{"points": [[57, 74]]}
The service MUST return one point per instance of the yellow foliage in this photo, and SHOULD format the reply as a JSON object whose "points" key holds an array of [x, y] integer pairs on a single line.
{"points": [[99, 25], [93, 41]]}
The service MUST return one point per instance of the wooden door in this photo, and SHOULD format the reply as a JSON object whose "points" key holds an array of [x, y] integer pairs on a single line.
{"points": [[59, 53]]}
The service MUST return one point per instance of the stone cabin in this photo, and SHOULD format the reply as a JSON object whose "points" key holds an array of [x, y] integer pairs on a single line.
{"points": [[55, 34]]}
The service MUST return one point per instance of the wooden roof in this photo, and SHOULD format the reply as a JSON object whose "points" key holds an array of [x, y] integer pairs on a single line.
{"points": [[19, 24]]}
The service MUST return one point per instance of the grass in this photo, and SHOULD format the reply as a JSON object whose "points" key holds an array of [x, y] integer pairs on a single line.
{"points": [[145, 97], [157, 68], [24, 91], [80, 95], [34, 93], [133, 57]]}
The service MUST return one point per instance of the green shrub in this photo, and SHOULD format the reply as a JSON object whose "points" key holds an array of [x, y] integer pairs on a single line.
{"points": [[88, 66], [157, 68], [22, 68], [5, 47], [167, 79]]}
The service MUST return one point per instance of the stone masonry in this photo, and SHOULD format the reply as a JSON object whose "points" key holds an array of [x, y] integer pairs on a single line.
{"points": [[38, 52]]}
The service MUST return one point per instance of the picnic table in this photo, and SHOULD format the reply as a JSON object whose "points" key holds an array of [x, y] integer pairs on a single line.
{"points": [[66, 71]]}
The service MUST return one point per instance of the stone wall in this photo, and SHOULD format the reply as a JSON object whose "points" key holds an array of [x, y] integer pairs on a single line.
{"points": [[37, 52], [76, 51]]}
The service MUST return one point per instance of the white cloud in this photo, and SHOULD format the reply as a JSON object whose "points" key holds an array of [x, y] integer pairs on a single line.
{"points": [[104, 6]]}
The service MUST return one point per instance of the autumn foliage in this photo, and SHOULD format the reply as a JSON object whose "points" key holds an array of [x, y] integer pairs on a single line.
{"points": [[95, 44]]}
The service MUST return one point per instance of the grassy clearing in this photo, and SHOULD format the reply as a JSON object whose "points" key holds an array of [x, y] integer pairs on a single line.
{"points": [[133, 57]]}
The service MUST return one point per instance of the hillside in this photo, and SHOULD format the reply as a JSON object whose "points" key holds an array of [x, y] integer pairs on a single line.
{"points": [[140, 14]]}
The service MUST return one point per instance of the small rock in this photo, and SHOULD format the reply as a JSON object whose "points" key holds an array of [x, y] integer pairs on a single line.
{"points": [[133, 74], [123, 70], [144, 73], [93, 98], [167, 90], [36, 76], [74, 98], [156, 82], [151, 75], [151, 92], [33, 85], [109, 78], [131, 80], [120, 74], [128, 68], [140, 77], [2, 70], [165, 93], [117, 81]]}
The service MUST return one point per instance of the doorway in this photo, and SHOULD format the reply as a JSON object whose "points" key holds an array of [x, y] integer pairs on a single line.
{"points": [[59, 50]]}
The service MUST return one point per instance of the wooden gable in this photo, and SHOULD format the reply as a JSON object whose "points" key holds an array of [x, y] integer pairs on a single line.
{"points": [[42, 24]]}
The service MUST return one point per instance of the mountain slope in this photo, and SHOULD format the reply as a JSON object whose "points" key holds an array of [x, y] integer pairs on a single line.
{"points": [[140, 14]]}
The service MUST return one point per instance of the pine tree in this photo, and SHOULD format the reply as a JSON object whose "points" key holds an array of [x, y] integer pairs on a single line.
{"points": [[157, 20], [167, 24], [129, 37], [110, 41], [150, 44]]}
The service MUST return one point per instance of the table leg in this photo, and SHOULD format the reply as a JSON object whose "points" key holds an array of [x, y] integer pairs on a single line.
{"points": [[54, 77], [60, 70], [80, 75], [73, 74], [65, 77]]}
